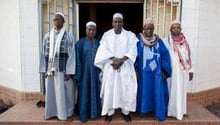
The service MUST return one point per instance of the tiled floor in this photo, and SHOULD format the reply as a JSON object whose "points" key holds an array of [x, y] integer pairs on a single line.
{"points": [[26, 113]]}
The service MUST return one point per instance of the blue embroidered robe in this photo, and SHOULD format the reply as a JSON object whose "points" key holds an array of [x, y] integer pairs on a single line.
{"points": [[152, 88]]}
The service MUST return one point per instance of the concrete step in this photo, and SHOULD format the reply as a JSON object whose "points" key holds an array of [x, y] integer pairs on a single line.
{"points": [[26, 113]]}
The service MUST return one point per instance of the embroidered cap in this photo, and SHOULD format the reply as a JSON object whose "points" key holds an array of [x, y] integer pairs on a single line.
{"points": [[90, 23], [118, 15], [61, 14]]}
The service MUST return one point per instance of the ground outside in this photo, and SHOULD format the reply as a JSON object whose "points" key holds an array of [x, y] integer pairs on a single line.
{"points": [[26, 113]]}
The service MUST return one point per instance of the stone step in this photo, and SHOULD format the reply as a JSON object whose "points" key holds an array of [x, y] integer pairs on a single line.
{"points": [[26, 113]]}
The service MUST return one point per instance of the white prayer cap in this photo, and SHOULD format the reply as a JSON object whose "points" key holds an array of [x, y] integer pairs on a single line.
{"points": [[118, 15], [175, 22], [148, 21], [90, 23], [61, 14]]}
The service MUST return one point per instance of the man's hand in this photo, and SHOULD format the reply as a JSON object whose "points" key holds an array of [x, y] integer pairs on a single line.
{"points": [[67, 77], [190, 76], [116, 66], [137, 75], [117, 62], [163, 75]]}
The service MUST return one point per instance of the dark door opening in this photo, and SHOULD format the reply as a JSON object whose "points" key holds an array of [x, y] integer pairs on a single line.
{"points": [[102, 14]]}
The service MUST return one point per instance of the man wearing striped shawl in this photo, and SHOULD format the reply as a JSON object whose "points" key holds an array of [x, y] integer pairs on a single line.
{"points": [[58, 64]]}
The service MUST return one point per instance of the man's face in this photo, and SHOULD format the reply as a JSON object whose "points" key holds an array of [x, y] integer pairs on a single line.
{"points": [[117, 24], [90, 31], [58, 21], [148, 30], [175, 29]]}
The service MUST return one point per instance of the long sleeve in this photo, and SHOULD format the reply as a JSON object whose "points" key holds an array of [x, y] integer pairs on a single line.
{"points": [[77, 75], [165, 59], [42, 67], [70, 66], [137, 63], [103, 54], [132, 52]]}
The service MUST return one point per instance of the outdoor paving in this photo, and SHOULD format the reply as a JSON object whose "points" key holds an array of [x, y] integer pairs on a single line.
{"points": [[214, 108], [26, 113]]}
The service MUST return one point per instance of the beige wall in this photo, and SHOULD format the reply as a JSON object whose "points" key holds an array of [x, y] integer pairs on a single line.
{"points": [[10, 51], [29, 30], [19, 45], [208, 46], [201, 26], [153, 14]]}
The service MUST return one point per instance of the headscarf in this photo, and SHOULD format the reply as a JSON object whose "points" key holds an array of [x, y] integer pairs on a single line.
{"points": [[149, 41], [180, 40]]}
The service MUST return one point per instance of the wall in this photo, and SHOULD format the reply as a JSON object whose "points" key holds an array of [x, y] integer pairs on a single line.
{"points": [[208, 48], [200, 21], [19, 50], [10, 68], [29, 29]]}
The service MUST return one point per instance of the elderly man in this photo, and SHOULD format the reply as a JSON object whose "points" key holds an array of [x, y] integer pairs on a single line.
{"points": [[181, 71], [58, 64], [153, 67], [115, 57], [87, 75]]}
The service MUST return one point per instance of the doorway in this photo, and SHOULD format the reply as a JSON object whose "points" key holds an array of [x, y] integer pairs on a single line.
{"points": [[102, 14]]}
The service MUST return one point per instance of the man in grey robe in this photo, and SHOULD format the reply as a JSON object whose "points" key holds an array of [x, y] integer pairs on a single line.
{"points": [[58, 64]]}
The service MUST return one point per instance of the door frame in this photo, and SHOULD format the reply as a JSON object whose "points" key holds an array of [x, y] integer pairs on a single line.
{"points": [[76, 10]]}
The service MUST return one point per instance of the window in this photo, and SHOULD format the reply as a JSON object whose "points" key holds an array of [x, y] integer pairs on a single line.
{"points": [[50, 7], [163, 12], [47, 10]]}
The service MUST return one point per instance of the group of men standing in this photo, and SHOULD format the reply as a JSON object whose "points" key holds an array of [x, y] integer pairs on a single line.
{"points": [[121, 71]]}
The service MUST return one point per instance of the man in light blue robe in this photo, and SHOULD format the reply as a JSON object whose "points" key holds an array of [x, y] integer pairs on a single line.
{"points": [[58, 64], [87, 76], [153, 67]]}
